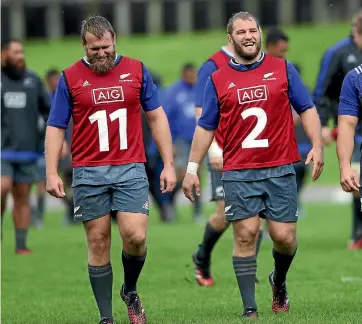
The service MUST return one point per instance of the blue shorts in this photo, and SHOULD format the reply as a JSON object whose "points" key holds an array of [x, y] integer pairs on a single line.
{"points": [[19, 172], [217, 189], [101, 189], [273, 198]]}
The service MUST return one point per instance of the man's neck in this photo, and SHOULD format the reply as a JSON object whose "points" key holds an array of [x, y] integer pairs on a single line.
{"points": [[243, 61]]}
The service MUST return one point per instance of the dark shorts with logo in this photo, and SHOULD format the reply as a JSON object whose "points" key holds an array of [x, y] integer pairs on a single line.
{"points": [[270, 193], [101, 189], [217, 189]]}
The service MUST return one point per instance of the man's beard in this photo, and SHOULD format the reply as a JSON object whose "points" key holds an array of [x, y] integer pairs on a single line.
{"points": [[239, 50], [13, 71], [102, 67]]}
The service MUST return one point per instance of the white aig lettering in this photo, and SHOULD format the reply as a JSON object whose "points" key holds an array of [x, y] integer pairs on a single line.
{"points": [[252, 94], [15, 100], [108, 95]]}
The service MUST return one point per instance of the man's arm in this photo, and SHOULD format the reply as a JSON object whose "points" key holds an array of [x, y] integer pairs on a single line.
{"points": [[54, 140], [203, 136], [303, 105], [207, 124], [59, 117], [203, 74], [161, 134], [348, 112], [156, 118], [328, 69]]}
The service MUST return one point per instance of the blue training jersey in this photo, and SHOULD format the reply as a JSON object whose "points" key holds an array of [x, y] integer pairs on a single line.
{"points": [[351, 96], [179, 106]]}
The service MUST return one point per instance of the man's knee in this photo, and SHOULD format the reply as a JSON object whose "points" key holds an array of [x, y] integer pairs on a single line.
{"points": [[21, 192], [246, 232], [284, 235], [135, 238], [99, 242]]}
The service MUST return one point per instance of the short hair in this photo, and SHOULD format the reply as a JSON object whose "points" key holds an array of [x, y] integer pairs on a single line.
{"points": [[275, 35], [5, 43], [242, 15], [96, 25], [188, 66], [357, 21], [52, 72]]}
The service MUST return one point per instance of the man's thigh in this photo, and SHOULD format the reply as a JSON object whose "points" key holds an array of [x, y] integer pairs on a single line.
{"points": [[25, 173], [243, 199], [91, 201], [131, 196], [217, 188], [281, 199]]}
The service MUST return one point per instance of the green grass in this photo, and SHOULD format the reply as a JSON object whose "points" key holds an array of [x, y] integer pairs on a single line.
{"points": [[164, 54], [51, 286]]}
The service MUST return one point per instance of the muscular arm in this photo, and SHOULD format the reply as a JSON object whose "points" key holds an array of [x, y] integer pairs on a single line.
{"points": [[312, 126], [59, 117], [348, 111], [160, 129], [345, 139], [200, 144], [207, 124], [198, 111], [54, 139]]}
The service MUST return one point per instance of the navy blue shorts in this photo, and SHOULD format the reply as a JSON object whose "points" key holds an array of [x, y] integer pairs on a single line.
{"points": [[101, 189], [20, 172], [217, 189], [273, 198]]}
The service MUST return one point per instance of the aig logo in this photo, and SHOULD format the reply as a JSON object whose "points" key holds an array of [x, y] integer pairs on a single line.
{"points": [[252, 94], [108, 95]]}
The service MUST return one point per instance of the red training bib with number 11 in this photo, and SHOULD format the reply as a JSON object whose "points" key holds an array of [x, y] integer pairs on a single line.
{"points": [[256, 118], [107, 124]]}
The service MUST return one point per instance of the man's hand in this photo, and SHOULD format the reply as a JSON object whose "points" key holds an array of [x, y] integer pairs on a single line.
{"points": [[167, 179], [316, 155], [190, 182], [54, 186], [349, 179], [327, 135]]}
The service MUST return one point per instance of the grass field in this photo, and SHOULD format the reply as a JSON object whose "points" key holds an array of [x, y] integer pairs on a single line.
{"points": [[51, 286]]}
